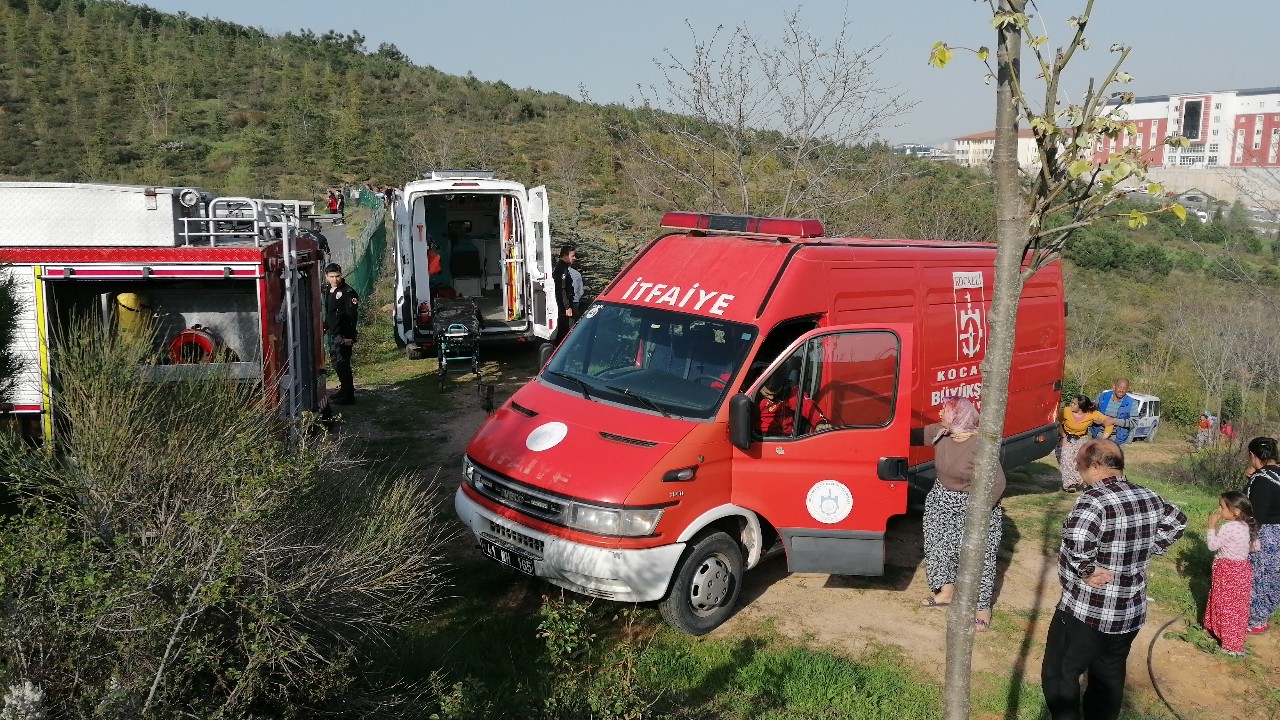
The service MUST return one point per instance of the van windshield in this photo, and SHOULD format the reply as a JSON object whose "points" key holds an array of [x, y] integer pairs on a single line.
{"points": [[657, 360]]}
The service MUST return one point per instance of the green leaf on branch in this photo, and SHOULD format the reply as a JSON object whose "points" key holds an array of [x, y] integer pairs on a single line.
{"points": [[1155, 189], [941, 55], [1137, 219], [1079, 167], [1179, 212], [1042, 126], [1002, 19], [983, 53]]}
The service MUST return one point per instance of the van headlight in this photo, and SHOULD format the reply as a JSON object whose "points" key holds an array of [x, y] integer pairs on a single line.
{"points": [[622, 522], [468, 470]]}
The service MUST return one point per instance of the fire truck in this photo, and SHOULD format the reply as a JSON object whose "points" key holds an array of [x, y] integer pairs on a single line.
{"points": [[228, 284], [643, 463]]}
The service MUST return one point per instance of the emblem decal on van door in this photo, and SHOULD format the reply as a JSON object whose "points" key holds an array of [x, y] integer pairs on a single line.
{"points": [[545, 437], [971, 327], [829, 501]]}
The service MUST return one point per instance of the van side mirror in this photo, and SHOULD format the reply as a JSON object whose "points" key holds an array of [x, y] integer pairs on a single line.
{"points": [[544, 354], [741, 421]]}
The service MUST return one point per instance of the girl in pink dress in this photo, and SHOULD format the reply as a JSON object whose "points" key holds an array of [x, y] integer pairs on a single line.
{"points": [[1227, 614]]}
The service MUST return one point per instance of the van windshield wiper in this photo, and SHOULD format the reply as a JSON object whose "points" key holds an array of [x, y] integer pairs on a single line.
{"points": [[643, 400], [577, 381]]}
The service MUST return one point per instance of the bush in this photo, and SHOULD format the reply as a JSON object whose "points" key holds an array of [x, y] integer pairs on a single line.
{"points": [[1216, 467], [10, 361], [186, 556]]}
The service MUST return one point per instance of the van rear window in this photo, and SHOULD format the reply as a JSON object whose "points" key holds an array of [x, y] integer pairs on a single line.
{"points": [[653, 359]]}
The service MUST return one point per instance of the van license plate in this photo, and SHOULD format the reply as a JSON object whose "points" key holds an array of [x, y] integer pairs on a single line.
{"points": [[507, 556]]}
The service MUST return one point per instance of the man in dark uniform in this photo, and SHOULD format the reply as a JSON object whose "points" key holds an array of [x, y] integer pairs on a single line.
{"points": [[320, 239], [566, 303], [341, 312]]}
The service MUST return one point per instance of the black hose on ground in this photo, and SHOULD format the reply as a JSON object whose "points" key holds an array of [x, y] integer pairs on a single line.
{"points": [[1151, 671]]}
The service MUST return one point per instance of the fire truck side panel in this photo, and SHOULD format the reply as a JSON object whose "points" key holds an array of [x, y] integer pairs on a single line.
{"points": [[27, 397]]}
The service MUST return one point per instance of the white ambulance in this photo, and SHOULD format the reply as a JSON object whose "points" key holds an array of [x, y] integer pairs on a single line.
{"points": [[465, 233]]}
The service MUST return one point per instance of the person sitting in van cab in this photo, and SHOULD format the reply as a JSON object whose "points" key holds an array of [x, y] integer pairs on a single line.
{"points": [[778, 402]]}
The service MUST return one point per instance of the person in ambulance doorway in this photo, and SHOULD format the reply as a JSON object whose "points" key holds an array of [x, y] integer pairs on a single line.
{"points": [[566, 303], [341, 314]]}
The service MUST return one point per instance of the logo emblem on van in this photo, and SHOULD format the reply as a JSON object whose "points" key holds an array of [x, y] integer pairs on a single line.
{"points": [[829, 501], [545, 437], [970, 302]]}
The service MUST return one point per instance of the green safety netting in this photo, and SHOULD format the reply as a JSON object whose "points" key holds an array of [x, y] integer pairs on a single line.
{"points": [[367, 252]]}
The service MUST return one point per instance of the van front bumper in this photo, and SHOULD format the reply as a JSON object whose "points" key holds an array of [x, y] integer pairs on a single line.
{"points": [[613, 574]]}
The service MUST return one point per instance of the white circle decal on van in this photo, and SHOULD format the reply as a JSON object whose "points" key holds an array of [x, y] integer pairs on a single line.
{"points": [[829, 501], [545, 437]]}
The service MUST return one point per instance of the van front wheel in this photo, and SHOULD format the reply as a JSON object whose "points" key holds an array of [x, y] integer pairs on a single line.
{"points": [[706, 585]]}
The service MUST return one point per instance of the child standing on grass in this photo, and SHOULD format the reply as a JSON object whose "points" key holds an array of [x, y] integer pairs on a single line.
{"points": [[1227, 614]]}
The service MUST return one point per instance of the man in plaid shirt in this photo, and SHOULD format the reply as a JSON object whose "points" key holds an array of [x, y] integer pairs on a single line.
{"points": [[1107, 541]]}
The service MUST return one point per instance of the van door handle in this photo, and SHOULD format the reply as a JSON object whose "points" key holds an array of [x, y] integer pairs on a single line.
{"points": [[892, 468]]}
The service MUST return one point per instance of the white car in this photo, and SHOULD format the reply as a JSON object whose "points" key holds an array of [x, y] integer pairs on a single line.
{"points": [[1147, 417]]}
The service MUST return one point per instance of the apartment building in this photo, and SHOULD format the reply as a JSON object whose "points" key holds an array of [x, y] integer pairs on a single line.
{"points": [[976, 150], [1227, 129]]}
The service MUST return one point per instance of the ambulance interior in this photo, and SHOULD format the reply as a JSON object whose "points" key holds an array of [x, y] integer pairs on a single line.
{"points": [[480, 241], [195, 322]]}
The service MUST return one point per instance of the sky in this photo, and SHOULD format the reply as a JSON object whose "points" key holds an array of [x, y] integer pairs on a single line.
{"points": [[608, 47]]}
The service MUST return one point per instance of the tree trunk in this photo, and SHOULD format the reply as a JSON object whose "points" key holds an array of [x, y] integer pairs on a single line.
{"points": [[1012, 233]]}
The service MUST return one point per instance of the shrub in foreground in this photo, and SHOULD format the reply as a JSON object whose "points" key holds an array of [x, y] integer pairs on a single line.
{"points": [[183, 555]]}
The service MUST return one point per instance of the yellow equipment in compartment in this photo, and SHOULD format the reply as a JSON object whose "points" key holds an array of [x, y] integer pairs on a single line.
{"points": [[133, 315]]}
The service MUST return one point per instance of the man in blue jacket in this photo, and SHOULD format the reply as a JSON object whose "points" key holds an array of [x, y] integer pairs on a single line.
{"points": [[1117, 403]]}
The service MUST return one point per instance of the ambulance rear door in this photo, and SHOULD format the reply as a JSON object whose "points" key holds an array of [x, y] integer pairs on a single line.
{"points": [[540, 261], [830, 479], [406, 302]]}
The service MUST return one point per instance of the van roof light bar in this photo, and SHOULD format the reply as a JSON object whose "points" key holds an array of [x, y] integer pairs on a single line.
{"points": [[744, 225]]}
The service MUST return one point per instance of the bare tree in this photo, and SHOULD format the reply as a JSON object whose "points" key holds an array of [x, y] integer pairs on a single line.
{"points": [[1067, 185], [1207, 333], [748, 127]]}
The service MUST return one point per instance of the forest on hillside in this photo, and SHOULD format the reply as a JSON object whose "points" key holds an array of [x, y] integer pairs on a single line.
{"points": [[106, 91]]}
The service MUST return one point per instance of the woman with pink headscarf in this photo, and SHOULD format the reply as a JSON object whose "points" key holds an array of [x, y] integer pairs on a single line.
{"points": [[954, 441]]}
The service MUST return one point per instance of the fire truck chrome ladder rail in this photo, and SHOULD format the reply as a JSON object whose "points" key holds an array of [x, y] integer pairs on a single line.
{"points": [[230, 218], [293, 394]]}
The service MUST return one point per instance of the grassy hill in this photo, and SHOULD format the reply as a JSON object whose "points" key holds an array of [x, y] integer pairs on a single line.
{"points": [[101, 90]]}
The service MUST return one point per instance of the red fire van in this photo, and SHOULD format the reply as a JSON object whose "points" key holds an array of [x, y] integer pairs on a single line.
{"points": [[746, 382]]}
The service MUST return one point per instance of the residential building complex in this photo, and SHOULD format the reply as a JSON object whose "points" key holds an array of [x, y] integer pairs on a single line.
{"points": [[1227, 129], [976, 150]]}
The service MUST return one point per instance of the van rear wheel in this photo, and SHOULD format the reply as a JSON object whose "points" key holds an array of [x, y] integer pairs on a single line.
{"points": [[705, 588]]}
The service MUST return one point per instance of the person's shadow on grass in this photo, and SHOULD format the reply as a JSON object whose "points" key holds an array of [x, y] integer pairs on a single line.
{"points": [[1195, 563]]}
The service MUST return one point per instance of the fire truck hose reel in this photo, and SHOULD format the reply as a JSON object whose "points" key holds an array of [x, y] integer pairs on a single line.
{"points": [[194, 345]]}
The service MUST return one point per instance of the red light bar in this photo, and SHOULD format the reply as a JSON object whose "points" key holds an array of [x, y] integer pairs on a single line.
{"points": [[744, 225], [466, 185]]}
